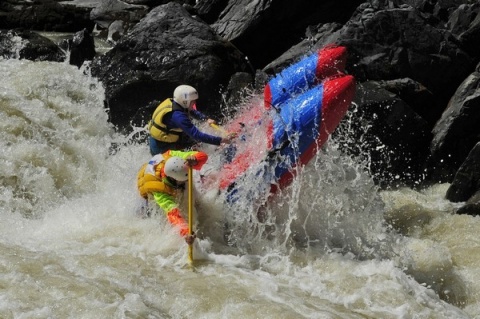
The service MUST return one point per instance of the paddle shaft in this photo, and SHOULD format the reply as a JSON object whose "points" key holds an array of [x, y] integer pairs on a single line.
{"points": [[218, 128], [190, 212]]}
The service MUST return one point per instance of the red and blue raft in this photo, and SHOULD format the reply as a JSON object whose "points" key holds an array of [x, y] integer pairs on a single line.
{"points": [[302, 106]]}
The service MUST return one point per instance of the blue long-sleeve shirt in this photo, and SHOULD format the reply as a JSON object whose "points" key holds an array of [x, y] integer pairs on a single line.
{"points": [[179, 119]]}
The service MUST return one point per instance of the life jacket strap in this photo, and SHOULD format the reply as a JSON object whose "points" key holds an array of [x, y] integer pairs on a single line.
{"points": [[165, 130]]}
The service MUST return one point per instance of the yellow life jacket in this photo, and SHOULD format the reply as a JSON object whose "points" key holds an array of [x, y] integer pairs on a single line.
{"points": [[158, 130], [149, 183]]}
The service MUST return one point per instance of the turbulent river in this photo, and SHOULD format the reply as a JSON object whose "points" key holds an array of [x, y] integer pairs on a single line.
{"points": [[72, 244]]}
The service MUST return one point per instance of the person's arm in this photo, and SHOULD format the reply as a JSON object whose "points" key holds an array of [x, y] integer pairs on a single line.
{"points": [[169, 206], [182, 121], [198, 115]]}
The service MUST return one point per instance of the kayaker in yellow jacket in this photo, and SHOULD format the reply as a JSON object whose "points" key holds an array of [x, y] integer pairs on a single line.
{"points": [[172, 128], [164, 177]]}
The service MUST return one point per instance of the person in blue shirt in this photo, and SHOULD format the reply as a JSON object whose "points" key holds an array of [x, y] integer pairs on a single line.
{"points": [[171, 127]]}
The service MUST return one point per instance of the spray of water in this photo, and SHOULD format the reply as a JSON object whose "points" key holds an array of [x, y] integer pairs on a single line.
{"points": [[331, 205], [54, 134]]}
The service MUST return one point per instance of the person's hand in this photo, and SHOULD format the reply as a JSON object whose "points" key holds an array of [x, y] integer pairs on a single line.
{"points": [[211, 121], [191, 160], [190, 238], [229, 138]]}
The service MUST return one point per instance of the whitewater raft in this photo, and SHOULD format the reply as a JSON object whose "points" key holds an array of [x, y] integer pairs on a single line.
{"points": [[302, 106]]}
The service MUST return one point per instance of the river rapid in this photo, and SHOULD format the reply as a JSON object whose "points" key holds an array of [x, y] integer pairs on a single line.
{"points": [[72, 244]]}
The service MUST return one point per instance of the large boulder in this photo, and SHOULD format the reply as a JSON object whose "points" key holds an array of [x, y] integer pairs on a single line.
{"points": [[386, 44], [44, 15], [466, 184], [264, 29], [167, 48], [24, 44], [388, 132], [457, 131], [465, 22], [210, 10]]}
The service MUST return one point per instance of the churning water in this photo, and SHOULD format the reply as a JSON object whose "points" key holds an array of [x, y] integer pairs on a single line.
{"points": [[330, 246]]}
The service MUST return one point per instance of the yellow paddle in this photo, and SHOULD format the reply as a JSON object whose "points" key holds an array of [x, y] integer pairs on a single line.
{"points": [[218, 128], [190, 212]]}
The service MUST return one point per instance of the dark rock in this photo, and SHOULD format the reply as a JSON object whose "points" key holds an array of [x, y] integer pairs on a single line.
{"points": [[239, 90], [115, 31], [457, 131], [44, 15], [167, 48], [418, 97], [472, 206], [209, 10], [261, 29], [390, 134], [469, 209], [81, 47], [467, 179], [471, 36], [399, 43], [316, 37], [22, 44], [462, 18]]}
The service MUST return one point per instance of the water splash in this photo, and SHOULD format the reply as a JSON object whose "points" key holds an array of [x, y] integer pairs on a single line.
{"points": [[54, 130], [332, 204]]}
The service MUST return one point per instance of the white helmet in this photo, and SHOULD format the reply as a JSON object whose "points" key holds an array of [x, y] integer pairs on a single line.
{"points": [[176, 168], [184, 94]]}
